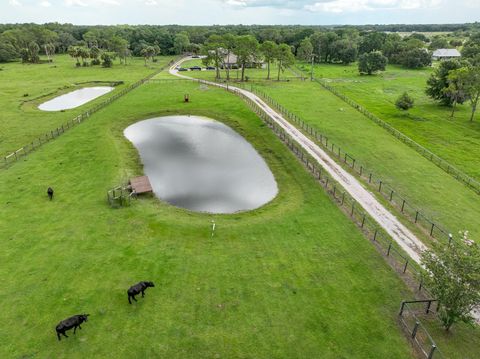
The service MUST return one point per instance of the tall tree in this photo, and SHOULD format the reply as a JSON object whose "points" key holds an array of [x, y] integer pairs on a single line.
{"points": [[305, 50], [121, 47], [438, 82], [472, 88], [181, 42], [215, 52], [372, 41], [147, 52], [268, 50], [456, 90], [230, 43], [246, 50], [73, 51], [284, 57], [344, 51]]}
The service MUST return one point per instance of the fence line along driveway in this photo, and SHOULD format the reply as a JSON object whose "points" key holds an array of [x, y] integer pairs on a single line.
{"points": [[400, 233]]}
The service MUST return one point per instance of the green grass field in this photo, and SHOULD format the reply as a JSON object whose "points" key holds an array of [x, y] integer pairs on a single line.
{"points": [[22, 122], [292, 279], [439, 196], [456, 140]]}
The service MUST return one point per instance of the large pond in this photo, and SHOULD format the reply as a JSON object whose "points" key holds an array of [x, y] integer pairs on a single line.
{"points": [[201, 164], [75, 98]]}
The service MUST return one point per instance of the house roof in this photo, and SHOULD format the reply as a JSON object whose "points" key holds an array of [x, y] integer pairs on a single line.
{"points": [[446, 53]]}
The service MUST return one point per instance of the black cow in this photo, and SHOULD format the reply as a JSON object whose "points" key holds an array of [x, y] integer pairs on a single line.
{"points": [[72, 322], [137, 289], [50, 193]]}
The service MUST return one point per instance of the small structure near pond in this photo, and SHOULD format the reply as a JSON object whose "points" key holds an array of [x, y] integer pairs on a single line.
{"points": [[140, 185], [120, 196]]}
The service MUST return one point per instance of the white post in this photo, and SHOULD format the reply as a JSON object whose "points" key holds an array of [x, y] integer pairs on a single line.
{"points": [[213, 227]]}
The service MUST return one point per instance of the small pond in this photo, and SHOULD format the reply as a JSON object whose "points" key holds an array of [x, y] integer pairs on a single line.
{"points": [[202, 165], [75, 98]]}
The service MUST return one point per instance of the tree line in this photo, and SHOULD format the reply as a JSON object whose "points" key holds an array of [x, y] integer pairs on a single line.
{"points": [[332, 44]]}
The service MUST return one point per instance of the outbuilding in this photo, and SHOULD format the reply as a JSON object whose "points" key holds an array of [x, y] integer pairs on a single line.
{"points": [[446, 54]]}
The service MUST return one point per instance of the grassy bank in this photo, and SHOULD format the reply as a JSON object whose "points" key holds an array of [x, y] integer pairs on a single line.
{"points": [[292, 279]]}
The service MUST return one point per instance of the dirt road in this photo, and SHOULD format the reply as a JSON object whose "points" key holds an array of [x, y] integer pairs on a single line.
{"points": [[401, 234]]}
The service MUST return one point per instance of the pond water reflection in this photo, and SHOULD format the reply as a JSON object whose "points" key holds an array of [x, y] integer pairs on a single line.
{"points": [[201, 164], [75, 98]]}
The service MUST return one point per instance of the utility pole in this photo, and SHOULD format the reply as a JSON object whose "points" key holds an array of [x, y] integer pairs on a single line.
{"points": [[311, 68]]}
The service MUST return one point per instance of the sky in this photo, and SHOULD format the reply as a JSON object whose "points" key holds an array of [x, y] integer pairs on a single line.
{"points": [[209, 12]]}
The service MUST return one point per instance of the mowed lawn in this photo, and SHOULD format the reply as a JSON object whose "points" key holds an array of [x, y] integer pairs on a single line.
{"points": [[439, 196], [24, 86], [293, 279], [456, 140]]}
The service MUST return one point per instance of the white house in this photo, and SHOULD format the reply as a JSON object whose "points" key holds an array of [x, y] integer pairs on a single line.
{"points": [[446, 54]]}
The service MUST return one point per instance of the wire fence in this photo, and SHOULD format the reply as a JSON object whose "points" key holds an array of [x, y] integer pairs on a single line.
{"points": [[48, 136], [408, 270], [410, 316], [444, 165], [414, 214], [397, 259]]}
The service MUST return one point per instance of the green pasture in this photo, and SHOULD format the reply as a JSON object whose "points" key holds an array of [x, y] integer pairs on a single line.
{"points": [[456, 139], [25, 86], [293, 279], [440, 197]]}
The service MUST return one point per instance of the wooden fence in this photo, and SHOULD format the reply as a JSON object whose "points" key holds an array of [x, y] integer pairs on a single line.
{"points": [[410, 315], [408, 270], [414, 214], [444, 165], [47, 137]]}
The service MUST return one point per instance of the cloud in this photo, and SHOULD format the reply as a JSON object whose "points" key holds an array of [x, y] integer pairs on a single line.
{"points": [[93, 3], [45, 3], [339, 6], [151, 2], [335, 6], [14, 2]]}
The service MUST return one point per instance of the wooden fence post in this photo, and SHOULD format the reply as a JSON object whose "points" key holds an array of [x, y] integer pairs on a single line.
{"points": [[415, 329]]}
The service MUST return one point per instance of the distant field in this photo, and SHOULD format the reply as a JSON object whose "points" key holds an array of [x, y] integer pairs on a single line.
{"points": [[293, 279], [22, 121], [456, 140]]}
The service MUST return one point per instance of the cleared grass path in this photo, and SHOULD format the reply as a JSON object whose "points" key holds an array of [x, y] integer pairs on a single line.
{"points": [[400, 233]]}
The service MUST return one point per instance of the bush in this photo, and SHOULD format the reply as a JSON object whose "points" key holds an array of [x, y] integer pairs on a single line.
{"points": [[404, 102]]}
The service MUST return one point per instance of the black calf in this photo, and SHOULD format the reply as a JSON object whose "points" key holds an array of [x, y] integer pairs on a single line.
{"points": [[137, 289], [72, 322], [50, 193]]}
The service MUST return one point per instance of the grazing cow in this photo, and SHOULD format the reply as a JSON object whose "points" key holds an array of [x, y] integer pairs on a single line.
{"points": [[50, 193], [72, 322], [137, 289]]}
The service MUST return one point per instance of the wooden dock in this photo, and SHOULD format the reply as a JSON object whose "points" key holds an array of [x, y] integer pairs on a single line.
{"points": [[141, 185]]}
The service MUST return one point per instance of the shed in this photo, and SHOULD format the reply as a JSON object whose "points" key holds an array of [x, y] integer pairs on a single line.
{"points": [[446, 54]]}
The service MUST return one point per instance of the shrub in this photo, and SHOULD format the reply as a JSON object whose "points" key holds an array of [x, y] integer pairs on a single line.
{"points": [[404, 102]]}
